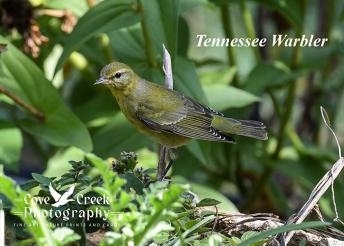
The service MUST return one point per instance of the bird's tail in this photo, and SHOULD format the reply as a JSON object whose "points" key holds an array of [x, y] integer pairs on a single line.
{"points": [[247, 128]]}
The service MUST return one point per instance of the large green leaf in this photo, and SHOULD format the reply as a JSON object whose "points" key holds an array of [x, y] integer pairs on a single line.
{"points": [[11, 142], [269, 75], [60, 127], [117, 136], [222, 97], [186, 80], [105, 16], [161, 18], [128, 45]]}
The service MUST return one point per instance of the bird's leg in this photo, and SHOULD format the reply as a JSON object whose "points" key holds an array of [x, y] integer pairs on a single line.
{"points": [[169, 165], [161, 163], [172, 155]]}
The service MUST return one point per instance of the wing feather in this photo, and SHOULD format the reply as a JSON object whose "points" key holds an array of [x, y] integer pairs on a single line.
{"points": [[191, 119]]}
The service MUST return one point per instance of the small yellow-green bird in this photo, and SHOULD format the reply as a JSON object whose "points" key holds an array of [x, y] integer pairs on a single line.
{"points": [[169, 116]]}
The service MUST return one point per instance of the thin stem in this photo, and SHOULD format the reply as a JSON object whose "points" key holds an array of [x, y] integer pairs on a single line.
{"points": [[149, 48], [38, 114], [275, 103], [249, 24], [228, 31]]}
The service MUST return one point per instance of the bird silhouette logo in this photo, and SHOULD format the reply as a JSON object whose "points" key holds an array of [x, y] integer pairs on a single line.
{"points": [[61, 199]]}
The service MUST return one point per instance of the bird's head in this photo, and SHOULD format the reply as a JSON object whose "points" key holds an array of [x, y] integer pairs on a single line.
{"points": [[116, 75]]}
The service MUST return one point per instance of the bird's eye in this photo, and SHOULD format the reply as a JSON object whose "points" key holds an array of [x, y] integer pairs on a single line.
{"points": [[118, 75]]}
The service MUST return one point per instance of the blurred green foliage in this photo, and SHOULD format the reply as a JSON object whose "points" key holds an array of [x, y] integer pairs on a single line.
{"points": [[283, 87], [152, 212]]}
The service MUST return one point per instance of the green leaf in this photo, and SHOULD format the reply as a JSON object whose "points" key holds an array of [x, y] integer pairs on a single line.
{"points": [[116, 136], [41, 179], [281, 229], [161, 19], [65, 235], [29, 184], [60, 127], [291, 9], [186, 80], [204, 221], [317, 57], [133, 182], [104, 17], [248, 234], [128, 45], [222, 97], [198, 150], [58, 164], [208, 202], [11, 142], [203, 192], [77, 7], [268, 75], [222, 76], [187, 5]]}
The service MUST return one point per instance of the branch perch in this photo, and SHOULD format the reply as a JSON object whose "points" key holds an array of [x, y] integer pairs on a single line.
{"points": [[38, 114], [167, 68]]}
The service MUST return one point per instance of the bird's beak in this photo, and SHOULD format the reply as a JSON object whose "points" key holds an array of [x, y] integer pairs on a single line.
{"points": [[101, 80]]}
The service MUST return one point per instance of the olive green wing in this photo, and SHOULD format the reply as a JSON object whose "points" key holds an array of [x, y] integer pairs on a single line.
{"points": [[187, 118]]}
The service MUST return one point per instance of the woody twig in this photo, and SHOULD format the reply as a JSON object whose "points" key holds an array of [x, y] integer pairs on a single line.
{"points": [[38, 114], [319, 190]]}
